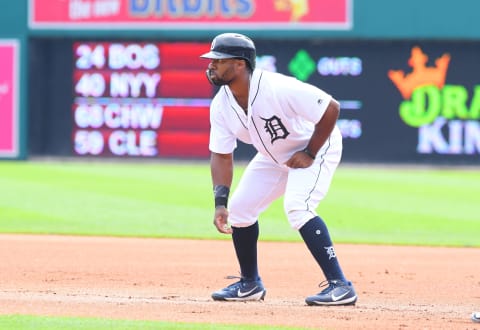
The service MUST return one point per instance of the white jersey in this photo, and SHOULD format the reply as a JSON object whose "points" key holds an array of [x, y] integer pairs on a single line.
{"points": [[281, 117]]}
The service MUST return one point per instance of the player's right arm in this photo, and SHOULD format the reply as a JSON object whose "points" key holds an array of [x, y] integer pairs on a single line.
{"points": [[221, 168], [222, 144]]}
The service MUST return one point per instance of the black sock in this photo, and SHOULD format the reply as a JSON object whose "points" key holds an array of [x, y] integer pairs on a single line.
{"points": [[245, 243], [315, 235]]}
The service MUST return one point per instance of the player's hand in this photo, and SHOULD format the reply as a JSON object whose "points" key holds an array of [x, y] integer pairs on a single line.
{"points": [[299, 160], [220, 220]]}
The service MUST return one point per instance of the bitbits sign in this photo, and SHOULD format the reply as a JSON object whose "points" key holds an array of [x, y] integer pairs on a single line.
{"points": [[140, 99], [190, 14]]}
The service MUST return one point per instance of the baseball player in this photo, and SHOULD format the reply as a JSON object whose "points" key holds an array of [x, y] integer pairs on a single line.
{"points": [[293, 127]]}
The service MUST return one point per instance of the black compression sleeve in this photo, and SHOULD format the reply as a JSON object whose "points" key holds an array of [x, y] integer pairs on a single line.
{"points": [[221, 195]]}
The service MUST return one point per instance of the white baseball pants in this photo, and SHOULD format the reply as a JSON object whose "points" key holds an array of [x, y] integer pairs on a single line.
{"points": [[264, 181]]}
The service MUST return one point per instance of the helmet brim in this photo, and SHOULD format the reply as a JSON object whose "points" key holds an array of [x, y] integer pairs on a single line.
{"points": [[217, 55]]}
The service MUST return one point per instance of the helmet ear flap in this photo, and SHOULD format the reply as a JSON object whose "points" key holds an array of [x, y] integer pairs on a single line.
{"points": [[250, 66], [247, 64]]}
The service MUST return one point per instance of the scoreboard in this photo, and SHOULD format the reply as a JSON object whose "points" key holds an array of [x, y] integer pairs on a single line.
{"points": [[140, 99]]}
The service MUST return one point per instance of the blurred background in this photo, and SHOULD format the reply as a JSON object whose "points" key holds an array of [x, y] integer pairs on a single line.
{"points": [[123, 79]]}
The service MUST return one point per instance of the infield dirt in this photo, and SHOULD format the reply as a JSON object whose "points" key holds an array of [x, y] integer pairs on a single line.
{"points": [[171, 280]]}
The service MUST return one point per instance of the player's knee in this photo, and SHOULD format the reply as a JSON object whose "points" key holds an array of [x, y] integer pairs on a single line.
{"points": [[239, 221], [297, 214], [298, 218], [240, 216]]}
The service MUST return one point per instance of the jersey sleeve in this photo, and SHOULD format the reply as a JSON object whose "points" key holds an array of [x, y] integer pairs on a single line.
{"points": [[305, 100], [222, 140]]}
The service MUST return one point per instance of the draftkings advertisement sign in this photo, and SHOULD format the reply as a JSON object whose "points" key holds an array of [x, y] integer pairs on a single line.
{"points": [[401, 101], [445, 113]]}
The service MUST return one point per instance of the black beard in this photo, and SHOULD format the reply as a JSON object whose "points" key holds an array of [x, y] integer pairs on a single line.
{"points": [[216, 82]]}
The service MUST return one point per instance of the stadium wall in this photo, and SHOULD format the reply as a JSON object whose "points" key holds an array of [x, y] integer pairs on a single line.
{"points": [[354, 54]]}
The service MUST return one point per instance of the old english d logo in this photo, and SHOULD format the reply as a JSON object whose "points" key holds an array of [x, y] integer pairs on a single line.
{"points": [[275, 128]]}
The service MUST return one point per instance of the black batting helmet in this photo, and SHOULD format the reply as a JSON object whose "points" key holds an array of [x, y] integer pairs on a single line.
{"points": [[232, 45]]}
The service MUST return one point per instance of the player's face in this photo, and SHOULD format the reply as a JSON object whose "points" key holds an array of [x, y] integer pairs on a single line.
{"points": [[222, 71]]}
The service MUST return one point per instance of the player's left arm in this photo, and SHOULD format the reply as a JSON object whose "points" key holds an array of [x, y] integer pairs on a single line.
{"points": [[323, 129]]}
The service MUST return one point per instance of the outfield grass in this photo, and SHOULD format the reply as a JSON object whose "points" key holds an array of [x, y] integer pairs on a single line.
{"points": [[415, 206]]}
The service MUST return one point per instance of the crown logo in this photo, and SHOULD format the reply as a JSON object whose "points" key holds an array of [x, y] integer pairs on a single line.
{"points": [[421, 75], [299, 8]]}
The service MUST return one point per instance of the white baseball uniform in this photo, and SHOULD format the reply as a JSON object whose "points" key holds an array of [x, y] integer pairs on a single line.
{"points": [[280, 121]]}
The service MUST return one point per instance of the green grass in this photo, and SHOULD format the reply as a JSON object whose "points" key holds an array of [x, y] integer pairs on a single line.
{"points": [[423, 206], [26, 322]]}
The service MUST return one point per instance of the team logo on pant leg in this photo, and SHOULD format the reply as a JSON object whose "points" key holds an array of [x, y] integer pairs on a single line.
{"points": [[330, 252], [275, 128]]}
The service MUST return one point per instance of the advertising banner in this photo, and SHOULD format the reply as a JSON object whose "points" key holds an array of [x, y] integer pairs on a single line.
{"points": [[401, 101], [191, 14], [9, 108]]}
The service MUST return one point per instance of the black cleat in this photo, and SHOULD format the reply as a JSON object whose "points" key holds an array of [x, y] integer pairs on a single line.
{"points": [[241, 291], [338, 292]]}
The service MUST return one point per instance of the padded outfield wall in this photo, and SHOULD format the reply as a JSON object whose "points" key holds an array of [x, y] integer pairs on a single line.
{"points": [[121, 78]]}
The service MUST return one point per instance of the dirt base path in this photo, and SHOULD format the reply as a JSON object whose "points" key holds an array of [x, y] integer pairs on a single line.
{"points": [[171, 280]]}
